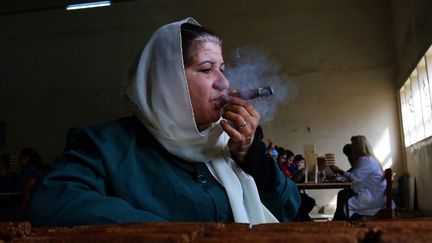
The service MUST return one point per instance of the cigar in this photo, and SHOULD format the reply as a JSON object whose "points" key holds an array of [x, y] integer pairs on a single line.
{"points": [[249, 94]]}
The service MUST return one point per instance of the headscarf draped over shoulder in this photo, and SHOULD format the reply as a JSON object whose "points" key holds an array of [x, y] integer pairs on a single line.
{"points": [[158, 95]]}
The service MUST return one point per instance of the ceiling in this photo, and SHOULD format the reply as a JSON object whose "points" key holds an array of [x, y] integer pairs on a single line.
{"points": [[16, 7]]}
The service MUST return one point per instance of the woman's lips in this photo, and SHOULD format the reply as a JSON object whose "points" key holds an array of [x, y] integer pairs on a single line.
{"points": [[220, 102]]}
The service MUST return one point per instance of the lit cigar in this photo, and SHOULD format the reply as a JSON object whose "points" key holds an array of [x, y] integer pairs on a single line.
{"points": [[249, 94]]}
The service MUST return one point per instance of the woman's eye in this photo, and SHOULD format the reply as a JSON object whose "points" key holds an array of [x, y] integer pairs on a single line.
{"points": [[207, 70], [222, 71]]}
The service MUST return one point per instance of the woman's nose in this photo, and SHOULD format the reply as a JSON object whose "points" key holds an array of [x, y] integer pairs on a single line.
{"points": [[221, 82]]}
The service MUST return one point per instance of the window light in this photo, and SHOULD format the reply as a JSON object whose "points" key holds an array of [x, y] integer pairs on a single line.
{"points": [[88, 5], [416, 102]]}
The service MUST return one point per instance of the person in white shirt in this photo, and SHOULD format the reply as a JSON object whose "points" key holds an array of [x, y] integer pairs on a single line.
{"points": [[367, 195]]}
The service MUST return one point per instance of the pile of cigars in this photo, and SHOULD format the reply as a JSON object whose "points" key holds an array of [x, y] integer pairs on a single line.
{"points": [[330, 159]]}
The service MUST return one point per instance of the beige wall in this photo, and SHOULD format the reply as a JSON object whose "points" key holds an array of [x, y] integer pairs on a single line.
{"points": [[413, 36], [63, 69], [341, 56]]}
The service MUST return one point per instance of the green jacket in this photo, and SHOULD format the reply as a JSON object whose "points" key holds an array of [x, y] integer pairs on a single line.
{"points": [[118, 173]]}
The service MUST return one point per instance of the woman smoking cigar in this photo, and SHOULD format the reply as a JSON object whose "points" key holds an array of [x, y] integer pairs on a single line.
{"points": [[176, 158]]}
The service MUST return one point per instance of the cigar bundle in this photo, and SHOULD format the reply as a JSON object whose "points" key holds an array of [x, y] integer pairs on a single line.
{"points": [[249, 94]]}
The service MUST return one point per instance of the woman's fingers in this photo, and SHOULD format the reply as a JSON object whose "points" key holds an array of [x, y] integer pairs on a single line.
{"points": [[242, 106], [237, 134], [232, 132], [237, 121], [240, 122], [239, 111]]}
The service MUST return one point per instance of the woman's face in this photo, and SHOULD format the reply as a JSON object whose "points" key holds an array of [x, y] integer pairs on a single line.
{"points": [[301, 164], [281, 158], [289, 160], [207, 84]]}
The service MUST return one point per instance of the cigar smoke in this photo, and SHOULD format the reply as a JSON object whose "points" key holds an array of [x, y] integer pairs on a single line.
{"points": [[251, 68]]}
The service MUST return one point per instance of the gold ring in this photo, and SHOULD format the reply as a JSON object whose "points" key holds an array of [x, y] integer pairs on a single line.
{"points": [[243, 125]]}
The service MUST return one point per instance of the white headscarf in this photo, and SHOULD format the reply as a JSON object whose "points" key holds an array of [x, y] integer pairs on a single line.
{"points": [[160, 98]]}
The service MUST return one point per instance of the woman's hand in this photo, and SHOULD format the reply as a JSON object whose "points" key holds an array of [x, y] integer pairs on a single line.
{"points": [[241, 120]]}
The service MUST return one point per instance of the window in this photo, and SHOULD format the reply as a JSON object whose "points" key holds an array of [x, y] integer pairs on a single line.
{"points": [[416, 102]]}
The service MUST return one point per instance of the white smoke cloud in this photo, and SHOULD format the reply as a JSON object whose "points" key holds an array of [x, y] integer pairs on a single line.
{"points": [[252, 68]]}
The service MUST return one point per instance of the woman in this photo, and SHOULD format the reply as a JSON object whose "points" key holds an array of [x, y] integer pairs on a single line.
{"points": [[284, 159], [368, 185], [31, 168], [175, 159], [298, 169]]}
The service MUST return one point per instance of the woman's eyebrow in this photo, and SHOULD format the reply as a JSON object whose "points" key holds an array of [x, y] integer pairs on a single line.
{"points": [[211, 63], [204, 62]]}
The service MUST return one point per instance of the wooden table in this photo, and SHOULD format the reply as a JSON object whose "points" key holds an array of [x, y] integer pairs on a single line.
{"points": [[400, 230], [324, 185]]}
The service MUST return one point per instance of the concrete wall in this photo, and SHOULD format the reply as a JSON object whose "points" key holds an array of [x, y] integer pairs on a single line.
{"points": [[341, 57], [413, 36], [63, 69]]}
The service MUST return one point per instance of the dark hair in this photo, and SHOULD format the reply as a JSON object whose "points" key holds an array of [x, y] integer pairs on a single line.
{"points": [[298, 157], [192, 35], [289, 153], [347, 150], [281, 151], [34, 156]]}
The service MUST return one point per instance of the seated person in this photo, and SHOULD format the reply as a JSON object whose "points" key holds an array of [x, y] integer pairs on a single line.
{"points": [[298, 169], [298, 176], [32, 167], [367, 195], [281, 157], [187, 153], [347, 150], [285, 162]]}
